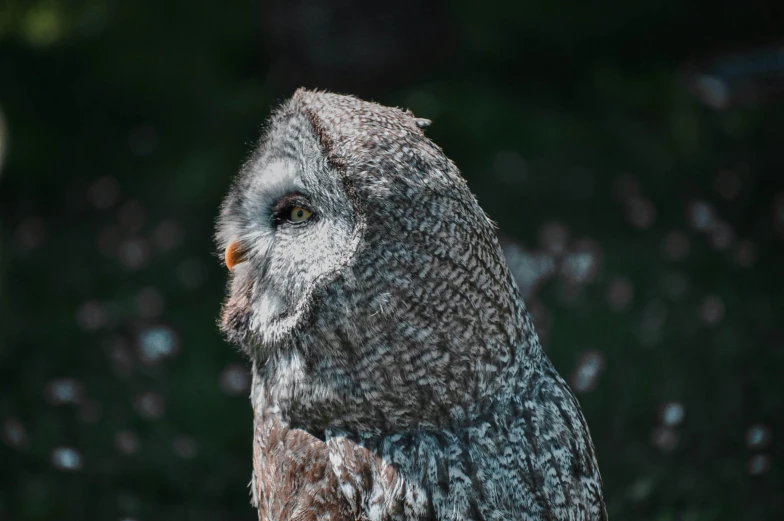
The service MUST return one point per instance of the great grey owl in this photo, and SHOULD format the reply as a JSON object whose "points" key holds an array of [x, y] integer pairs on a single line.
{"points": [[396, 371]]}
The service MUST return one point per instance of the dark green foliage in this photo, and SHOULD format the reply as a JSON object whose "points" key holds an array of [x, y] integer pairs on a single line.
{"points": [[124, 123]]}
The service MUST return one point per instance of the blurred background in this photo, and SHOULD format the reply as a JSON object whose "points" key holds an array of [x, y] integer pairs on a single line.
{"points": [[632, 154]]}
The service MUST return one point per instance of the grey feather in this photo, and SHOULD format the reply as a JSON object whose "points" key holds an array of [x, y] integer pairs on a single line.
{"points": [[396, 372]]}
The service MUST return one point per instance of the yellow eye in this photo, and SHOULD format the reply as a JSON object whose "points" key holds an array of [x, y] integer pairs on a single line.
{"points": [[299, 214]]}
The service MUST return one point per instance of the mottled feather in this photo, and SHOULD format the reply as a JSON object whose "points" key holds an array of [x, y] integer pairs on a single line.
{"points": [[396, 372]]}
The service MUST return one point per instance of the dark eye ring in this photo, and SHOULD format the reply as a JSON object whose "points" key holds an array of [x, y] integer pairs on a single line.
{"points": [[292, 209]]}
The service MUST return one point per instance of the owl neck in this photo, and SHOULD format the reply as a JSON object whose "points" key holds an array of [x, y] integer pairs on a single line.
{"points": [[379, 388]]}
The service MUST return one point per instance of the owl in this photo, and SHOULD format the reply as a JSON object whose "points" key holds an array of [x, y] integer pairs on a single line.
{"points": [[396, 373]]}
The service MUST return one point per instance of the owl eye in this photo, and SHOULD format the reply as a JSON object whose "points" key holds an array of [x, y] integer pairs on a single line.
{"points": [[299, 214], [293, 208]]}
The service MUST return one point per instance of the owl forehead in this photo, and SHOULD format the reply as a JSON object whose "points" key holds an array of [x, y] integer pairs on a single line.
{"points": [[276, 178], [289, 160]]}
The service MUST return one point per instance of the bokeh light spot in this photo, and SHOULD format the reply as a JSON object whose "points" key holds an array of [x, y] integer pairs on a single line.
{"points": [[185, 447], [14, 433], [157, 343], [235, 380], [150, 406], [672, 414], [64, 391], [620, 293], [758, 436], [127, 442], [586, 375], [711, 310], [758, 464], [66, 459]]}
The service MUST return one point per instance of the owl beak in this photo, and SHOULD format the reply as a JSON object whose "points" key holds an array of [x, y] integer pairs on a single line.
{"points": [[234, 254]]}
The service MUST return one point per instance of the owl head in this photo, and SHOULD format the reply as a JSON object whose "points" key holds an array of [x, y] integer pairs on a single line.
{"points": [[361, 261]]}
